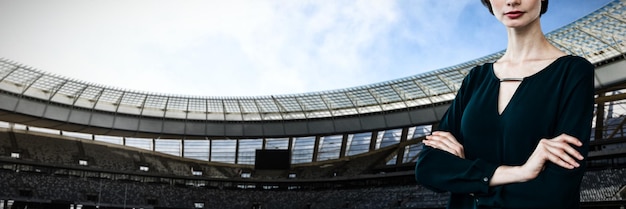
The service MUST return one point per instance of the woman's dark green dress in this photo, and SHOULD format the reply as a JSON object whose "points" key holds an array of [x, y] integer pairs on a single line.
{"points": [[558, 99]]}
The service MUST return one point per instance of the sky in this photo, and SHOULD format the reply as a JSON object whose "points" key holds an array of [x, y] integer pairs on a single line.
{"points": [[254, 47]]}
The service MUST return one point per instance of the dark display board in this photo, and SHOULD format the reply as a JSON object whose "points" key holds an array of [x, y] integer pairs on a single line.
{"points": [[276, 159]]}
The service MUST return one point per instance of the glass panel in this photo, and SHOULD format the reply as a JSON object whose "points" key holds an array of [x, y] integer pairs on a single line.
{"points": [[277, 143], [44, 130], [111, 96], [247, 150], [155, 101], [140, 143], [77, 135], [177, 103], [420, 131], [302, 150], [4, 124], [390, 137], [358, 143], [411, 152], [288, 104], [20, 76], [168, 146], [329, 147], [109, 139], [248, 106], [133, 99], [197, 105], [267, 105], [18, 126], [91, 92], [232, 106], [197, 149], [223, 151], [215, 105]]}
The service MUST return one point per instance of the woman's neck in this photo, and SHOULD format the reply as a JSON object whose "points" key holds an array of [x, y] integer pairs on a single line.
{"points": [[528, 44]]}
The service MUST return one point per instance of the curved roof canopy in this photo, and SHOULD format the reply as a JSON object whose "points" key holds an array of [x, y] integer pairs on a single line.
{"points": [[599, 37]]}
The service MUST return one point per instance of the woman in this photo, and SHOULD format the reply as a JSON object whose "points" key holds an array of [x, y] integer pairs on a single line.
{"points": [[516, 134]]}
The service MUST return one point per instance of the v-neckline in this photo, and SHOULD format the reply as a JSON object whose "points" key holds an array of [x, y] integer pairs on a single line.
{"points": [[508, 104], [516, 92]]}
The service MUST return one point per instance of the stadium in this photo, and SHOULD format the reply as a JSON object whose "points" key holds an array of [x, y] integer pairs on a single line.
{"points": [[67, 143]]}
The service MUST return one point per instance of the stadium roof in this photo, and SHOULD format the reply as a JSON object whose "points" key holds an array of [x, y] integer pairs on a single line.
{"points": [[599, 36]]}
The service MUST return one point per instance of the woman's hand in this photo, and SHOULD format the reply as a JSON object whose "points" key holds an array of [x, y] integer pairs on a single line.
{"points": [[558, 150], [445, 141]]}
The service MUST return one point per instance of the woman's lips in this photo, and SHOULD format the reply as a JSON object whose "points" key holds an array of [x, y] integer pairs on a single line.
{"points": [[514, 14]]}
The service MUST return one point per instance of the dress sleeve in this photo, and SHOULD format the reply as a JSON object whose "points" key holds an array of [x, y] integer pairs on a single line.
{"points": [[577, 104], [441, 171]]}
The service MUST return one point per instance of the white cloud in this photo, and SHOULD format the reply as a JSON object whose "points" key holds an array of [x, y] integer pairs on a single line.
{"points": [[203, 47]]}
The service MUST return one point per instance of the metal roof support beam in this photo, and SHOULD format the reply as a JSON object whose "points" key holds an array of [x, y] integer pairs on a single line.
{"points": [[316, 148], [167, 102], [141, 108], [403, 97], [30, 83], [447, 82], [614, 17], [281, 110], [354, 102], [428, 95], [241, 112], [118, 103], [93, 107], [401, 149], [56, 89], [377, 99], [186, 119], [77, 95], [595, 37], [356, 108], [302, 108], [328, 106], [619, 128], [260, 112]]}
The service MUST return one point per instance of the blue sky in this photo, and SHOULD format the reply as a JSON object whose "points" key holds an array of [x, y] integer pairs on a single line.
{"points": [[252, 48]]}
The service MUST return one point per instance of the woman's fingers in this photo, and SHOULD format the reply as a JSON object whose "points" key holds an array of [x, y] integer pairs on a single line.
{"points": [[560, 162], [569, 139], [566, 148], [560, 151], [559, 154], [444, 147], [446, 142], [449, 138]]}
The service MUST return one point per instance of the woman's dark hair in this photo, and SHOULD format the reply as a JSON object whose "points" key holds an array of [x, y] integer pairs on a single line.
{"points": [[544, 6]]}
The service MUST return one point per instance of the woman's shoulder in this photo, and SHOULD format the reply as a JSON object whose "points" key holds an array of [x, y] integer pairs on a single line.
{"points": [[575, 64], [478, 75], [576, 61], [481, 71]]}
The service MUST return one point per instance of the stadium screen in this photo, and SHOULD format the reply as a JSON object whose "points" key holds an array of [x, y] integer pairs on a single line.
{"points": [[272, 160]]}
